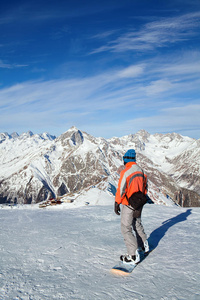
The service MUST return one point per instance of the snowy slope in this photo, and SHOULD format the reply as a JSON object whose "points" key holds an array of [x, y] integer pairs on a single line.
{"points": [[60, 253]]}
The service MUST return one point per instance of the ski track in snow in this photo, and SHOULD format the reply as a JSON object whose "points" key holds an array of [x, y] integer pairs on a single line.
{"points": [[68, 254]]}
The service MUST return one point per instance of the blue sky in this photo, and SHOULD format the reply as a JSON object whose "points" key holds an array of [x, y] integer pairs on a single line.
{"points": [[109, 67]]}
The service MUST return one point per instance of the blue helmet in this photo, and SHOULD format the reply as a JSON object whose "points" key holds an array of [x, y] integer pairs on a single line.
{"points": [[130, 155]]}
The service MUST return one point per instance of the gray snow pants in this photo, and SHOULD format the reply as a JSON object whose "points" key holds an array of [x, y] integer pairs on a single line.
{"points": [[128, 224]]}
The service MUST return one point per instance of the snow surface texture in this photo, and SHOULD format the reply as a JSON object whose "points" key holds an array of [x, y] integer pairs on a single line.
{"points": [[60, 253]]}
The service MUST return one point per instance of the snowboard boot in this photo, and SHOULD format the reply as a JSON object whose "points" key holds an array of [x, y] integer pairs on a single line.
{"points": [[145, 248], [131, 259]]}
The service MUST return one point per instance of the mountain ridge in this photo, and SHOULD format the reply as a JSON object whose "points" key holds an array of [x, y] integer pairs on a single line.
{"points": [[35, 167]]}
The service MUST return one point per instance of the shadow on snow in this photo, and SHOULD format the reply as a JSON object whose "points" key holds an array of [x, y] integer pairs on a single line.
{"points": [[160, 232]]}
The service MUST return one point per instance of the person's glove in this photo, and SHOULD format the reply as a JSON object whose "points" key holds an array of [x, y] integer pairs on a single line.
{"points": [[117, 208]]}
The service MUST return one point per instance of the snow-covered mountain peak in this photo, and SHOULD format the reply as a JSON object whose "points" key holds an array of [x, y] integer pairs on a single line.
{"points": [[31, 135], [14, 135], [47, 136], [142, 134], [72, 137], [73, 128], [174, 138], [4, 136], [25, 135]]}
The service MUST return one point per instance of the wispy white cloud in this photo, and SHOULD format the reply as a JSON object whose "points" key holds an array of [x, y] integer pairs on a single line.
{"points": [[45, 11], [181, 69], [158, 87], [128, 85], [181, 119], [139, 81], [146, 94], [104, 34], [5, 65], [155, 34], [132, 71]]}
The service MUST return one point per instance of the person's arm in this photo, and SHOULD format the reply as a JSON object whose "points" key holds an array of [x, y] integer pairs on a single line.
{"points": [[120, 193]]}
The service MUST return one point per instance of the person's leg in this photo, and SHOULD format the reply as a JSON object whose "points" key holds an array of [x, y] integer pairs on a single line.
{"points": [[140, 234], [139, 230], [138, 237], [126, 229]]}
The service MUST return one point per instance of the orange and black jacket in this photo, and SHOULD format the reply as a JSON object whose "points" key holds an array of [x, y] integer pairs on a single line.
{"points": [[132, 180]]}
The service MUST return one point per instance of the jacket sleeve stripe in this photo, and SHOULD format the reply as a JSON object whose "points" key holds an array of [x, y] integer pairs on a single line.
{"points": [[134, 176], [123, 186]]}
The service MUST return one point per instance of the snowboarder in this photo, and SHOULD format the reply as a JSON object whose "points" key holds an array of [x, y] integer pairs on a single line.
{"points": [[132, 179]]}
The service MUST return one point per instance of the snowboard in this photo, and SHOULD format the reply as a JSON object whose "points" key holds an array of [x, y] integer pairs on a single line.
{"points": [[123, 268]]}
